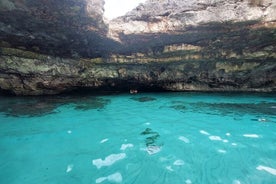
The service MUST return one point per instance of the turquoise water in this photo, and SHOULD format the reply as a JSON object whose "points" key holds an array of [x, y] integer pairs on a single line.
{"points": [[163, 138]]}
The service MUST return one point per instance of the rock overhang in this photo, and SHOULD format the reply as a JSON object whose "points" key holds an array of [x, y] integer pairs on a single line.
{"points": [[48, 47]]}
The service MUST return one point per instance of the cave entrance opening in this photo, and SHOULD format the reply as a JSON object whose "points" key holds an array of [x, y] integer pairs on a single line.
{"points": [[117, 8]]}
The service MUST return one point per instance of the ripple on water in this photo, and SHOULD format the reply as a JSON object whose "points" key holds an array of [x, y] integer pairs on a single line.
{"points": [[121, 161]]}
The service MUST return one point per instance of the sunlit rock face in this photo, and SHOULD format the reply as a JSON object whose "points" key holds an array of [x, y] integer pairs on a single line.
{"points": [[66, 28], [50, 47], [167, 16], [241, 25], [230, 34]]}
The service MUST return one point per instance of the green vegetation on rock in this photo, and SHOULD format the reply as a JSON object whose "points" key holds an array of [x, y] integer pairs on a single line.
{"points": [[21, 53]]}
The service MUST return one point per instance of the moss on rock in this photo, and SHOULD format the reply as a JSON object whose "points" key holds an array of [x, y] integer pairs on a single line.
{"points": [[7, 51]]}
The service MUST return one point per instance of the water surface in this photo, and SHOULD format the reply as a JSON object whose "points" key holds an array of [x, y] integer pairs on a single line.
{"points": [[148, 138]]}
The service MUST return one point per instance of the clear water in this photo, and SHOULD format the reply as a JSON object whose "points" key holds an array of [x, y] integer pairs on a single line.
{"points": [[164, 138]]}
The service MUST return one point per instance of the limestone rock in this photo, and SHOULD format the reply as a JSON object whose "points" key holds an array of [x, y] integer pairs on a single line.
{"points": [[50, 47], [43, 74], [167, 16], [67, 28]]}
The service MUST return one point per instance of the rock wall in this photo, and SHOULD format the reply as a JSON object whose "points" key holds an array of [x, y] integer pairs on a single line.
{"points": [[50, 47], [168, 16], [220, 28], [65, 28], [27, 73]]}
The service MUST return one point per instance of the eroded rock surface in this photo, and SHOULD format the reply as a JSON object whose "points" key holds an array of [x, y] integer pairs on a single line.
{"points": [[166, 16], [49, 47], [65, 28], [32, 74]]}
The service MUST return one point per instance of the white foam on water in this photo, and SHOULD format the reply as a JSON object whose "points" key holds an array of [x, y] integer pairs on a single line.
{"points": [[163, 159], [69, 131], [103, 141], [204, 132], [115, 178], [262, 120], [143, 149], [179, 162], [215, 138], [236, 182], [267, 169], [221, 151], [228, 134], [147, 123], [69, 168], [188, 181], [109, 160], [125, 146], [234, 144], [153, 149], [251, 135], [169, 168], [184, 139], [101, 179], [225, 140]]}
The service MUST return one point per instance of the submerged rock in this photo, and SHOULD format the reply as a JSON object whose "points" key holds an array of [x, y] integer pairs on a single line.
{"points": [[143, 99], [151, 139], [91, 103], [178, 107], [36, 106], [237, 108]]}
